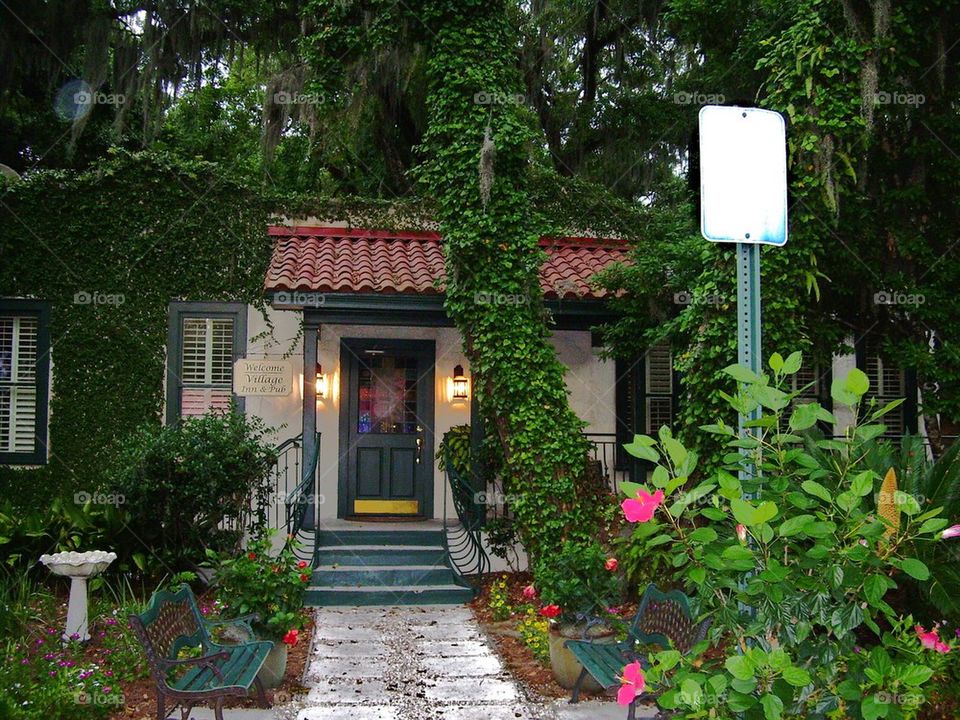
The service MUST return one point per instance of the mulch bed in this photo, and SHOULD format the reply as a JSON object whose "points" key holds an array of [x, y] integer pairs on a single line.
{"points": [[516, 656]]}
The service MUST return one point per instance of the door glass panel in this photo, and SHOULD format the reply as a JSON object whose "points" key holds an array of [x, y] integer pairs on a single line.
{"points": [[387, 395]]}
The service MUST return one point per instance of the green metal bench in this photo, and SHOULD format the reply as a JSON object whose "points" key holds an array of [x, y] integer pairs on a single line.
{"points": [[171, 623], [663, 619]]}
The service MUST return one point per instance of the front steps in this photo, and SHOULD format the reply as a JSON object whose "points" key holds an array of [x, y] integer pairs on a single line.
{"points": [[382, 564]]}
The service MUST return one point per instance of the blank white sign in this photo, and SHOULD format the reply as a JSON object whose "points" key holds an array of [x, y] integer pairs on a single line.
{"points": [[743, 175]]}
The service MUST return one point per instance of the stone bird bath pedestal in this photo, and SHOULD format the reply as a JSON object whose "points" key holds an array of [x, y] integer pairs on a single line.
{"points": [[78, 567]]}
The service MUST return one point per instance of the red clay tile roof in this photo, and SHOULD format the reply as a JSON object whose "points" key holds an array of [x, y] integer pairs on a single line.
{"points": [[335, 260]]}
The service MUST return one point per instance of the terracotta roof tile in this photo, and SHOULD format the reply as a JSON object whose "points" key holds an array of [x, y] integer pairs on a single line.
{"points": [[335, 260]]}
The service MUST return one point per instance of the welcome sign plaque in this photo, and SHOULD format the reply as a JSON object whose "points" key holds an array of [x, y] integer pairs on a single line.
{"points": [[262, 377]]}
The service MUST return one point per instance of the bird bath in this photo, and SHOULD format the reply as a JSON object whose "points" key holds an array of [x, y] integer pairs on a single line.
{"points": [[78, 567]]}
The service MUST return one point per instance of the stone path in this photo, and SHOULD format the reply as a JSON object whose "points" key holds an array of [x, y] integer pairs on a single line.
{"points": [[414, 663]]}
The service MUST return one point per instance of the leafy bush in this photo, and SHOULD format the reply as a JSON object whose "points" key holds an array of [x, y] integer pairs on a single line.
{"points": [[272, 586], [577, 580], [181, 482], [793, 565]]}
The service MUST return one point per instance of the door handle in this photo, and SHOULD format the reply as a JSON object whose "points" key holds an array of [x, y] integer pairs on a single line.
{"points": [[419, 444]]}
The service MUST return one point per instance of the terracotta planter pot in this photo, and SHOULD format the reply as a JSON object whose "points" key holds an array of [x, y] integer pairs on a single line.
{"points": [[566, 668], [271, 674]]}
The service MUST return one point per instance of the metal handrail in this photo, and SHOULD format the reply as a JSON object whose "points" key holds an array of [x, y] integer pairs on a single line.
{"points": [[298, 500], [463, 542]]}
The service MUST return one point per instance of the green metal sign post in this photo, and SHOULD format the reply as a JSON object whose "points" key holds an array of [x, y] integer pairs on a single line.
{"points": [[748, 331]]}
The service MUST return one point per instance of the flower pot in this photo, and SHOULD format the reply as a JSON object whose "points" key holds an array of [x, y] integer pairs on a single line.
{"points": [[566, 668], [271, 674]]}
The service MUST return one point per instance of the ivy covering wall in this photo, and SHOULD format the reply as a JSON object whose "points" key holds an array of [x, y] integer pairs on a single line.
{"points": [[109, 249]]}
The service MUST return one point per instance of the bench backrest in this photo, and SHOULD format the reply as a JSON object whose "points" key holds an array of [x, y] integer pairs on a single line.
{"points": [[170, 623], [664, 618]]}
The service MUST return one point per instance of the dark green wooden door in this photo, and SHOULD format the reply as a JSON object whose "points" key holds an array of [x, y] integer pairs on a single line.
{"points": [[386, 428]]}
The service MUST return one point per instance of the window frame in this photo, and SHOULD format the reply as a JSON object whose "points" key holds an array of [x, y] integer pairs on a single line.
{"points": [[39, 309], [177, 312], [911, 411]]}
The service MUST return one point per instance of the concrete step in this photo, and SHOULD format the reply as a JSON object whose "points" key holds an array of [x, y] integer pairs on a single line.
{"points": [[366, 555], [380, 575], [386, 595], [347, 537]]}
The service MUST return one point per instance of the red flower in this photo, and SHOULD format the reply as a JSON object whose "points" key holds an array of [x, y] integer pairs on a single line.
{"points": [[302, 564], [252, 556], [550, 611], [304, 577], [611, 564], [291, 637]]}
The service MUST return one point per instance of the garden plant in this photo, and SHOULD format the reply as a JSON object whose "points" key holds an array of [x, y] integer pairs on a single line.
{"points": [[796, 564]]}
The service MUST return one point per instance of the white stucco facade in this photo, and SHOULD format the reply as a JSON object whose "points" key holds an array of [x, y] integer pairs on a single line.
{"points": [[589, 378]]}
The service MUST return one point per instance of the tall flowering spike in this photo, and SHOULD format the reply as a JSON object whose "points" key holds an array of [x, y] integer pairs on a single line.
{"points": [[886, 503], [632, 683], [642, 507]]}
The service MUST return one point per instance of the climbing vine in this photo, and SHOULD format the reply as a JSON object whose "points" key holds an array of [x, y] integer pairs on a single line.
{"points": [[476, 169]]}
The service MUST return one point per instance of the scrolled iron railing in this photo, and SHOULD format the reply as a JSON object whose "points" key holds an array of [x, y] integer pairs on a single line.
{"points": [[301, 500], [463, 540]]}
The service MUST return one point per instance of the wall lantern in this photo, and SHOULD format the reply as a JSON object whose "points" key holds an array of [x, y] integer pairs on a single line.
{"points": [[459, 384], [321, 383]]}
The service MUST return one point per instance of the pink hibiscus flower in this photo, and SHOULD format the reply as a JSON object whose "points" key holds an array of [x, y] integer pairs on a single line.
{"points": [[930, 639], [642, 507], [633, 683], [529, 592]]}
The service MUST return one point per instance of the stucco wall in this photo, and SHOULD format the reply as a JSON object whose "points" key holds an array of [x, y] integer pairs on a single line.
{"points": [[589, 379]]}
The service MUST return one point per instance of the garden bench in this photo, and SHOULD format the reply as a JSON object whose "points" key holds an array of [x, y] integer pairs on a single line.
{"points": [[171, 623], [663, 619]]}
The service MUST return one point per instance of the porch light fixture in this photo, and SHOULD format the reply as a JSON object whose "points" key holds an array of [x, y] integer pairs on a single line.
{"points": [[321, 383], [459, 384]]}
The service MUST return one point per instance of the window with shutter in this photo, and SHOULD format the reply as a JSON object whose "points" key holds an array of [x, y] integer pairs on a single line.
{"points": [[206, 339], [887, 383], [659, 388], [24, 366]]}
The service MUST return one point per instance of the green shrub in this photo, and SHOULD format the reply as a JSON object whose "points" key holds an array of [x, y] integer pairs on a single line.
{"points": [[181, 482], [794, 565], [272, 586], [576, 580]]}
